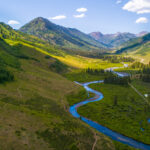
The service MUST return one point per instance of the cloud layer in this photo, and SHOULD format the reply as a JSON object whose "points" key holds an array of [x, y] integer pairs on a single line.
{"points": [[59, 17], [79, 16], [138, 6], [142, 20], [13, 22], [82, 10]]}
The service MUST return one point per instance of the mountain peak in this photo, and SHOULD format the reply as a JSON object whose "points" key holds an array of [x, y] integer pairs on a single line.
{"points": [[36, 25], [40, 19], [96, 35]]}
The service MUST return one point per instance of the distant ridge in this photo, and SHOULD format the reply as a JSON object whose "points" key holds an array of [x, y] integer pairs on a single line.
{"points": [[138, 47], [142, 33], [117, 39]]}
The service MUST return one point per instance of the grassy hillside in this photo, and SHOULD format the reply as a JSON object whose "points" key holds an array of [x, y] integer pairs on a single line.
{"points": [[142, 53], [72, 60], [15, 38], [138, 48]]}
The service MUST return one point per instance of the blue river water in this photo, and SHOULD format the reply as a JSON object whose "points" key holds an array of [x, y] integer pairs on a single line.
{"points": [[112, 134]]}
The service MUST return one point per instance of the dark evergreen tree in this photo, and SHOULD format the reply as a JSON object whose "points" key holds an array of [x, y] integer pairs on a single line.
{"points": [[115, 102]]}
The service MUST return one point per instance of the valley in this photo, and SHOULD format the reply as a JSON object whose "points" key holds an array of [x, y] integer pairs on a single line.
{"points": [[39, 65]]}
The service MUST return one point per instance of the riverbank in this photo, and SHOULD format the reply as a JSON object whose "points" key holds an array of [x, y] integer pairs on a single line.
{"points": [[120, 118], [86, 112]]}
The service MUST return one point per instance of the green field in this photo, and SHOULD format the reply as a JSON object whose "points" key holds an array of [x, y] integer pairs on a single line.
{"points": [[82, 77], [81, 62]]}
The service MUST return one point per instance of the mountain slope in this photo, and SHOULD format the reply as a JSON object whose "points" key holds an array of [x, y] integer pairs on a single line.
{"points": [[9, 33], [58, 35], [73, 59], [139, 47], [112, 40]]}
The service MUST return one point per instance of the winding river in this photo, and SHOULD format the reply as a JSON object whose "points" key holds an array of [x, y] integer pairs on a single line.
{"points": [[112, 134]]}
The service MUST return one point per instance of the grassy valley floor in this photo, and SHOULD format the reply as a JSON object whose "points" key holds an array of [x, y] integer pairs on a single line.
{"points": [[118, 118], [126, 116]]}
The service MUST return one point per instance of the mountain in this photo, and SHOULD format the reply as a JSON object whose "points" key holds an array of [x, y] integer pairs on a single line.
{"points": [[138, 47], [115, 40], [112, 40], [142, 33], [60, 36]]}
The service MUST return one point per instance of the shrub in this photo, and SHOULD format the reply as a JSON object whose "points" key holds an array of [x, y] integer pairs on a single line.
{"points": [[5, 75], [47, 57], [58, 67]]}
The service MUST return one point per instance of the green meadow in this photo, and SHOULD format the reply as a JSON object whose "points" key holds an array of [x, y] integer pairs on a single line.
{"points": [[121, 110]]}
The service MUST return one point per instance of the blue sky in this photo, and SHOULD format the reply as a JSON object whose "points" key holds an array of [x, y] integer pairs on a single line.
{"points": [[106, 16]]}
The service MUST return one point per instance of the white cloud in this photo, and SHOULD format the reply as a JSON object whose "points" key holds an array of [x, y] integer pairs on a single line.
{"points": [[59, 17], [13, 22], [79, 16], [119, 1], [81, 10], [142, 20], [138, 6]]}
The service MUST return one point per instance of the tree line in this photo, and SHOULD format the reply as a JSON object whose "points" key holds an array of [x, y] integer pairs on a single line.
{"points": [[94, 71], [144, 70], [139, 65], [145, 74], [114, 79], [116, 59]]}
